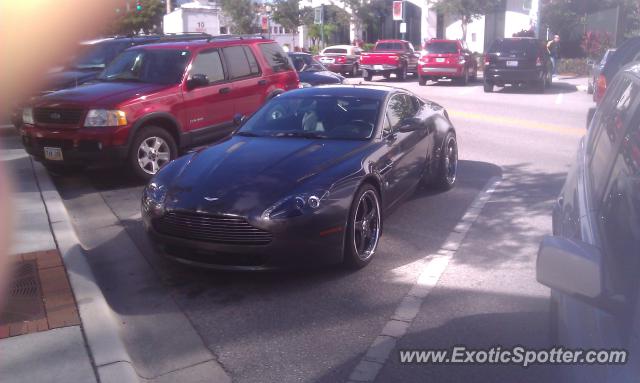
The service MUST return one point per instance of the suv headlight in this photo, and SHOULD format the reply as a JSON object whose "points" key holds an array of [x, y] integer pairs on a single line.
{"points": [[153, 199], [295, 205], [104, 117], [27, 116]]}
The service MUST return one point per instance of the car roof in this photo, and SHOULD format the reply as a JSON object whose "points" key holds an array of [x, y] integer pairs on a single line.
{"points": [[392, 41], [216, 41], [340, 47], [379, 92]]}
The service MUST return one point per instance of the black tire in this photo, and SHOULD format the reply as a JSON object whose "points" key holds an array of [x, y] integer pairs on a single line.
{"points": [[549, 81], [137, 153], [367, 75], [387, 75], [402, 72], [422, 80], [355, 258], [447, 170], [488, 87]]}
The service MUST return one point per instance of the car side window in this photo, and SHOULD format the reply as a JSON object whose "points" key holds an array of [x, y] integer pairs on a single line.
{"points": [[399, 108], [209, 64], [253, 63], [275, 56], [620, 212], [238, 63], [608, 131]]}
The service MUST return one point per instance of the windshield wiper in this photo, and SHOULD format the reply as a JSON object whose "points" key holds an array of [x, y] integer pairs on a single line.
{"points": [[301, 134]]}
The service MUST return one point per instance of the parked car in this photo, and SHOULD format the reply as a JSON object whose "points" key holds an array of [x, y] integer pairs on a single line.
{"points": [[306, 180], [626, 53], [596, 68], [311, 72], [146, 106], [343, 59], [91, 58], [389, 57], [591, 262], [447, 59], [518, 61]]}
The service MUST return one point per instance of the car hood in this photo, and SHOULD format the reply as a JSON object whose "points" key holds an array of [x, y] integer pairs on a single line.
{"points": [[101, 93], [245, 175], [320, 78], [68, 79]]}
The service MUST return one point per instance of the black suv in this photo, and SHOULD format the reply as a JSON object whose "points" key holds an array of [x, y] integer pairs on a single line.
{"points": [[91, 58], [518, 61]]}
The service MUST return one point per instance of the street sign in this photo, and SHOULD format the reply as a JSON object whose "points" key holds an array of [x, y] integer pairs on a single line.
{"points": [[317, 15], [397, 10], [403, 27], [264, 22]]}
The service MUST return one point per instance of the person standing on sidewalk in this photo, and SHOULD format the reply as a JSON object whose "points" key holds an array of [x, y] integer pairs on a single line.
{"points": [[553, 47]]}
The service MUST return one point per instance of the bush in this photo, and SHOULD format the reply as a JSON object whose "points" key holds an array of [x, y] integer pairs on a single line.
{"points": [[577, 67]]}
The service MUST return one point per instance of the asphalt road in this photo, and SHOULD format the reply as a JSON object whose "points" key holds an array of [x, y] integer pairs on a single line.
{"points": [[315, 326]]}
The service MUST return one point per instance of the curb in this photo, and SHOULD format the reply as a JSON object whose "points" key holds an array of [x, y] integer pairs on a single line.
{"points": [[101, 330]]}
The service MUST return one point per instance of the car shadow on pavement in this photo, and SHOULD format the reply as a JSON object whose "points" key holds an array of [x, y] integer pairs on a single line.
{"points": [[557, 87], [454, 317]]}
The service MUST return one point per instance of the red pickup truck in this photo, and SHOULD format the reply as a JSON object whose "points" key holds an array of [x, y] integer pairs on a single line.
{"points": [[390, 56]]}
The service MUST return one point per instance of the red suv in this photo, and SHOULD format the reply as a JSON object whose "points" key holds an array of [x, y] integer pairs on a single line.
{"points": [[154, 100], [447, 59]]}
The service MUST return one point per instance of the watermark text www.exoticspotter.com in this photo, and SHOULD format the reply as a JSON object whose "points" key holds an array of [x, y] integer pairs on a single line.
{"points": [[516, 355]]}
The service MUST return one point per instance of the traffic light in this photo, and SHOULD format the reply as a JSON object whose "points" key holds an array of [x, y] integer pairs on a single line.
{"points": [[138, 6]]}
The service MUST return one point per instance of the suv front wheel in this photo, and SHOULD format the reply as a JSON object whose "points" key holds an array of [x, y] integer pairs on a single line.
{"points": [[152, 148]]}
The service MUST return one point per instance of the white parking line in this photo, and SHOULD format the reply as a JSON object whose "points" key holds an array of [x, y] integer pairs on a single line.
{"points": [[559, 98], [434, 266]]}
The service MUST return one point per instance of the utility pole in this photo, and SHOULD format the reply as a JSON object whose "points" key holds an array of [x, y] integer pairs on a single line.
{"points": [[322, 24], [168, 6]]}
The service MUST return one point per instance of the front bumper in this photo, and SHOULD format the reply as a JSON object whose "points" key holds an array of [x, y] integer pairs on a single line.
{"points": [[84, 146], [510, 76], [293, 245]]}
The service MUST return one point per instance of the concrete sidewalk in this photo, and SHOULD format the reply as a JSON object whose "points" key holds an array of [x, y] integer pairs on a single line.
{"points": [[44, 335]]}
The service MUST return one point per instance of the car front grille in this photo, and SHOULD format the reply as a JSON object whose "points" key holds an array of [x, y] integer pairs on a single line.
{"points": [[211, 228], [57, 115]]}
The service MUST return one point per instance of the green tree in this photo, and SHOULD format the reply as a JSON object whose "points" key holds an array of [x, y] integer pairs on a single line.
{"points": [[148, 18], [288, 14], [242, 13], [466, 10]]}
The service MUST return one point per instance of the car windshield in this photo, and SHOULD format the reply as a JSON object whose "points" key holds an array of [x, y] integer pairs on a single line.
{"points": [[442, 47], [324, 117], [341, 51], [92, 56], [306, 63], [527, 46], [389, 47], [156, 66]]}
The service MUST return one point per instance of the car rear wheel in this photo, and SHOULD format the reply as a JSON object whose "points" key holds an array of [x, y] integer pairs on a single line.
{"points": [[363, 228], [447, 172], [387, 76], [153, 147], [422, 80], [367, 75], [488, 87]]}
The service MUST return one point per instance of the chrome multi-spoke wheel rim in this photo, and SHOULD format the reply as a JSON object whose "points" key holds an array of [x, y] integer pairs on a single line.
{"points": [[153, 153], [451, 160], [366, 225]]}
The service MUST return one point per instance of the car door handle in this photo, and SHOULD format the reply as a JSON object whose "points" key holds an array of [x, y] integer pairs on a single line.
{"points": [[262, 82], [224, 90], [385, 169]]}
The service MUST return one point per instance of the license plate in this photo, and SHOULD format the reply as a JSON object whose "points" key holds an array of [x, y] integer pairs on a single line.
{"points": [[326, 60], [377, 67], [53, 154], [439, 60], [512, 63]]}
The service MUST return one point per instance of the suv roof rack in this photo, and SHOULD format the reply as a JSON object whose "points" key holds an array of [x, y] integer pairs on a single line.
{"points": [[237, 37]]}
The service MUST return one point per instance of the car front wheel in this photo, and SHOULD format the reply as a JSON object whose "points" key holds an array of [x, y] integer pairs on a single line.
{"points": [[363, 228], [447, 171], [153, 147]]}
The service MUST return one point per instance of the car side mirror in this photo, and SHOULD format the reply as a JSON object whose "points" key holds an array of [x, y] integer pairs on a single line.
{"points": [[197, 80], [239, 119], [575, 268], [590, 113]]}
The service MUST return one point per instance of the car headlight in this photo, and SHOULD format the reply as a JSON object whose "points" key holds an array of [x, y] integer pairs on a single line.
{"points": [[104, 117], [153, 199], [295, 205], [27, 116]]}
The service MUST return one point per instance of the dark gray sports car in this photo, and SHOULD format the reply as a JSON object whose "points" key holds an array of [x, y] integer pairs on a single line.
{"points": [[304, 181]]}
